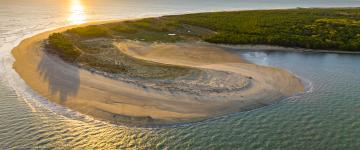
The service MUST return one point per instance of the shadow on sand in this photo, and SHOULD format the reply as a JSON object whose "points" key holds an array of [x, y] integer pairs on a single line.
{"points": [[63, 79]]}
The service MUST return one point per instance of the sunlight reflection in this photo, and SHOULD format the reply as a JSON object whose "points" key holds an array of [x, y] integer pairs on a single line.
{"points": [[77, 11]]}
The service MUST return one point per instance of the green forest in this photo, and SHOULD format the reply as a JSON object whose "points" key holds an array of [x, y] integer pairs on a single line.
{"points": [[335, 29]]}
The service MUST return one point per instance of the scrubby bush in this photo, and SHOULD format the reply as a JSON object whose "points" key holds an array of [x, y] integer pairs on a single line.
{"points": [[63, 46], [90, 31], [124, 29]]}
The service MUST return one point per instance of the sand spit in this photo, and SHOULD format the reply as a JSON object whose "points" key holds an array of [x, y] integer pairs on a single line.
{"points": [[227, 83]]}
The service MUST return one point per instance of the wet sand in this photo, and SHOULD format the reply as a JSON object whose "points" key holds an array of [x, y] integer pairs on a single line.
{"points": [[123, 103]]}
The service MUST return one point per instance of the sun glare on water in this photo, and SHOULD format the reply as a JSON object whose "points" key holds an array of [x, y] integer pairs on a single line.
{"points": [[77, 12]]}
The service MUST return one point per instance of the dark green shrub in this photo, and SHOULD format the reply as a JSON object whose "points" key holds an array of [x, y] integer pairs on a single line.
{"points": [[63, 46], [90, 31]]}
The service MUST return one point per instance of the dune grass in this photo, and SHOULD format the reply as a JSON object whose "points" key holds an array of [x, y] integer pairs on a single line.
{"points": [[92, 47], [90, 31]]}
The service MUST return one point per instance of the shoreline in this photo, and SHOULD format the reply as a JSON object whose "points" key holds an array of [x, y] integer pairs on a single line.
{"points": [[261, 47], [102, 97]]}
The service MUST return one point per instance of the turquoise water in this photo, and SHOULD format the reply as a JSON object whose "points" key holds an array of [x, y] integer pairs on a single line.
{"points": [[327, 116]]}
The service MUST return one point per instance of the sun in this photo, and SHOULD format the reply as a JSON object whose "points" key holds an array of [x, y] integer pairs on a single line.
{"points": [[77, 12]]}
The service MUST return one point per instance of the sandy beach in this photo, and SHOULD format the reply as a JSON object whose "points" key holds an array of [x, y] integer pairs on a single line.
{"points": [[237, 85]]}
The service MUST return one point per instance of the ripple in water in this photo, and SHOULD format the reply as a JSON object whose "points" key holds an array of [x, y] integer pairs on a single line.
{"points": [[328, 117]]}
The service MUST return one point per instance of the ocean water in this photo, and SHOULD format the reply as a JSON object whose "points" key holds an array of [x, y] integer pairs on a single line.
{"points": [[326, 116]]}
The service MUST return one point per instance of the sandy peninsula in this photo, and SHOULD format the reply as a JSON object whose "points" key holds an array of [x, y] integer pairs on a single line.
{"points": [[226, 84]]}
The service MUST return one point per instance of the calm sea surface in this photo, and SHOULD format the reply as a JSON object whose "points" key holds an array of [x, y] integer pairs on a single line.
{"points": [[327, 116]]}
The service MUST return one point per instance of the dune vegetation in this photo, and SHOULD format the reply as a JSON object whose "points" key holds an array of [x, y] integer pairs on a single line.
{"points": [[92, 47]]}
